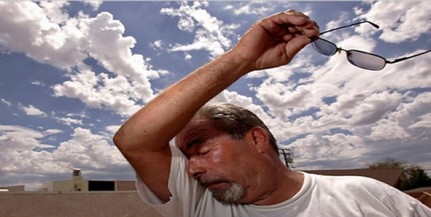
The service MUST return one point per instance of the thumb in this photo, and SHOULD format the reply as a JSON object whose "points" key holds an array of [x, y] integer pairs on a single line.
{"points": [[295, 45]]}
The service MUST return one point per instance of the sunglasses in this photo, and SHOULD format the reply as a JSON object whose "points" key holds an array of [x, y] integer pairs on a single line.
{"points": [[361, 59]]}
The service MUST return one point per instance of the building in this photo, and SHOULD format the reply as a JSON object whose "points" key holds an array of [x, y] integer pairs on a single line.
{"points": [[15, 188], [79, 184], [75, 197], [422, 194]]}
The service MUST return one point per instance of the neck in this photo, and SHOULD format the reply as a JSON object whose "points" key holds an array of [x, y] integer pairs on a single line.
{"points": [[285, 185]]}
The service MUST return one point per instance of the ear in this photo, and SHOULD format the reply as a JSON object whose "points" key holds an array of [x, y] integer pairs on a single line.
{"points": [[258, 138]]}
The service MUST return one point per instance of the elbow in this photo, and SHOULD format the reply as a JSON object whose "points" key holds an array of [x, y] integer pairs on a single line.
{"points": [[120, 141], [127, 143]]}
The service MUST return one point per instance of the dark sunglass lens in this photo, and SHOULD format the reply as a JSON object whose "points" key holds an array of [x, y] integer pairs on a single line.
{"points": [[366, 60], [324, 47]]}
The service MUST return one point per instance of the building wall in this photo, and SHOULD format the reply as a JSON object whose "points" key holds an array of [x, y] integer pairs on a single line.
{"points": [[91, 204], [70, 186], [80, 185], [77, 183], [125, 186], [13, 188]]}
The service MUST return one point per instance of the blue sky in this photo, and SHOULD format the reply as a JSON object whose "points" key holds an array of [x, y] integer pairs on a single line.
{"points": [[72, 72]]}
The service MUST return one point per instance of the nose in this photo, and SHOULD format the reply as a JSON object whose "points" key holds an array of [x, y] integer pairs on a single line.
{"points": [[195, 168]]}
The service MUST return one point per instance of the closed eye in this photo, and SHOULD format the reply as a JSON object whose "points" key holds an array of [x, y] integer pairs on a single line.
{"points": [[193, 147], [203, 151], [195, 142]]}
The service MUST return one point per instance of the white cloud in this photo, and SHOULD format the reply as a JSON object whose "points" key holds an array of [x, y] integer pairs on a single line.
{"points": [[210, 32], [18, 138], [47, 34], [404, 21], [53, 10], [337, 150], [157, 45], [255, 8], [24, 157], [112, 129], [411, 118], [423, 122], [52, 131], [101, 91], [70, 121], [89, 151], [38, 83], [103, 30], [6, 102], [368, 109], [24, 27], [33, 111], [93, 3]]}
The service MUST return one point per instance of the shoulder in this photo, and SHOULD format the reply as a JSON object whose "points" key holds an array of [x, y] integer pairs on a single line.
{"points": [[347, 179], [366, 194], [351, 183], [358, 187]]}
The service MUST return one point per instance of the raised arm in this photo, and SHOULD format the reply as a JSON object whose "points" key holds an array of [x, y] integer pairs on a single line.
{"points": [[144, 138]]}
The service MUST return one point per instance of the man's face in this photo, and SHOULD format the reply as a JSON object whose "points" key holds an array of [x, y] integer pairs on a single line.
{"points": [[216, 161]]}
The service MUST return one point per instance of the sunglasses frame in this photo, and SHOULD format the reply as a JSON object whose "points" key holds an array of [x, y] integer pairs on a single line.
{"points": [[349, 52]]}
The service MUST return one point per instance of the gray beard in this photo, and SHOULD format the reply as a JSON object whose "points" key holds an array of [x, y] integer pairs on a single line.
{"points": [[231, 195]]}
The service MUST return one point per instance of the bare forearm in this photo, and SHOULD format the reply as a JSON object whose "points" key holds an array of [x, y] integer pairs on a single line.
{"points": [[271, 42], [157, 123]]}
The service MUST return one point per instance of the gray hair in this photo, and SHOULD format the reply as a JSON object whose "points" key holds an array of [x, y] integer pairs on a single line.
{"points": [[234, 120]]}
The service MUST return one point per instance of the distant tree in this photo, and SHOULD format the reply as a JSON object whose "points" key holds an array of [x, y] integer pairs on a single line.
{"points": [[413, 175], [416, 178], [388, 163]]}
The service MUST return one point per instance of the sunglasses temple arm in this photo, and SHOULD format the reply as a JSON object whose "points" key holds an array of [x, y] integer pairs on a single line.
{"points": [[407, 57], [353, 24]]}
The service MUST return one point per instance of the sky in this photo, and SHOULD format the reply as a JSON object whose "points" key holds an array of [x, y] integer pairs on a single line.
{"points": [[72, 72]]}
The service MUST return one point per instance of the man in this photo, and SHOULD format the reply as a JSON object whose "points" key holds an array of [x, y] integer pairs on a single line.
{"points": [[225, 161]]}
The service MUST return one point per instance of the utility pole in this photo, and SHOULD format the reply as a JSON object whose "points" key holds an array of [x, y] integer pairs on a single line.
{"points": [[287, 156]]}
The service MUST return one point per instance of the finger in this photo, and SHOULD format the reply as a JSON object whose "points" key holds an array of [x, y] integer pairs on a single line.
{"points": [[295, 22], [296, 13], [311, 30], [294, 17]]}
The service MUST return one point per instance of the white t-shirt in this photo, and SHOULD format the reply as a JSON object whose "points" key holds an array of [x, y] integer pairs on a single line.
{"points": [[332, 196]]}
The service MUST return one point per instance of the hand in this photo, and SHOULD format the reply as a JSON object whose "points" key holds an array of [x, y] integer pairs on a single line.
{"points": [[274, 40]]}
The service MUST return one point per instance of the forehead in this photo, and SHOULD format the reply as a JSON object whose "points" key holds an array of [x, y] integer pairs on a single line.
{"points": [[195, 129]]}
